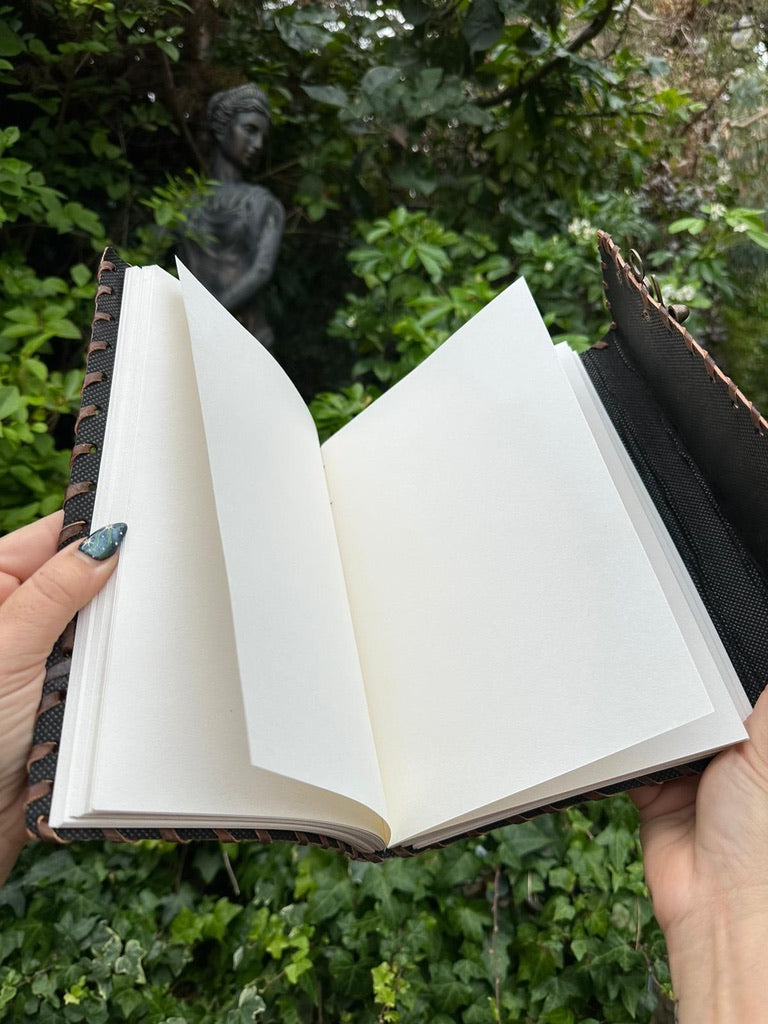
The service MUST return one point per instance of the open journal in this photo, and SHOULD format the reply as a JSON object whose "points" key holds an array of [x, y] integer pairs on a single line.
{"points": [[463, 607]]}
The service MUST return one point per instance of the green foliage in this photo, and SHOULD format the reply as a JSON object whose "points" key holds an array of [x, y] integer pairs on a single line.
{"points": [[712, 235], [560, 266], [423, 282], [511, 121], [42, 327], [547, 921], [49, 172]]}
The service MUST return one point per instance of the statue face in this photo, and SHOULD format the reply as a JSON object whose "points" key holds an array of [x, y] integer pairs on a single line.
{"points": [[245, 137]]}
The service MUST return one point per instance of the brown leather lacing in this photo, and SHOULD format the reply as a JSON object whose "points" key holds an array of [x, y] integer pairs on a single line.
{"points": [[96, 377], [86, 412], [82, 448], [84, 487], [57, 671]]}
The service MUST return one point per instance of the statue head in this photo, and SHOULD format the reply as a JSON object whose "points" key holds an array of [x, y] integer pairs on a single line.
{"points": [[240, 120]]}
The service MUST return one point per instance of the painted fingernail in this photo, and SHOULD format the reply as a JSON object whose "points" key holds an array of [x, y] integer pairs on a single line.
{"points": [[103, 543]]}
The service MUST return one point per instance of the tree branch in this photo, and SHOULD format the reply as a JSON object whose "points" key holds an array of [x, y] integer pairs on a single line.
{"points": [[173, 105], [594, 28], [747, 121], [705, 110]]}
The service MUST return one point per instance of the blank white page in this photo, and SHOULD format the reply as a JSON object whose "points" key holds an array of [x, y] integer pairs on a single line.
{"points": [[509, 624], [170, 736], [305, 705]]}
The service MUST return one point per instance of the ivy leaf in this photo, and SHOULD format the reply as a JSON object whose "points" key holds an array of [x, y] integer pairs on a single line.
{"points": [[388, 906], [129, 962], [449, 992], [330, 902]]}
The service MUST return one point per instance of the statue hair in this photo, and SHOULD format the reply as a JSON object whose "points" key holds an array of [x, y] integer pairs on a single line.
{"points": [[224, 105]]}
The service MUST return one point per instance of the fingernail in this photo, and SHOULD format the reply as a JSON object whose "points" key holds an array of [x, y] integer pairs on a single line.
{"points": [[103, 543]]}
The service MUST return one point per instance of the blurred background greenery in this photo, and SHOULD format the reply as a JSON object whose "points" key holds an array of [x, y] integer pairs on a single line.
{"points": [[427, 152]]}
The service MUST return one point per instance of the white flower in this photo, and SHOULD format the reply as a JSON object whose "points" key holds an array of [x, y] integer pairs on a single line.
{"points": [[716, 211], [549, 266], [739, 227], [581, 228]]}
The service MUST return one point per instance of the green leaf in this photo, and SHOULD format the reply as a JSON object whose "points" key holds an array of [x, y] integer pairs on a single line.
{"points": [[129, 962], [11, 44], [81, 274], [328, 902], [334, 95], [63, 328], [168, 48], [450, 993], [10, 400], [483, 25], [380, 78], [693, 225]]}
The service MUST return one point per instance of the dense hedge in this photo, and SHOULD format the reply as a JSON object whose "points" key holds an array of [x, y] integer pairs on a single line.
{"points": [[547, 921]]}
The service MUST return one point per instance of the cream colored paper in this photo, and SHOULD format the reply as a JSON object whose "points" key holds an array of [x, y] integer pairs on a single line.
{"points": [[306, 714], [509, 624], [170, 738], [510, 627]]}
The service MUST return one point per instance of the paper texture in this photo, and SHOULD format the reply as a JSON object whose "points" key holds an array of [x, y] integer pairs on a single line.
{"points": [[306, 713], [509, 624], [172, 737]]}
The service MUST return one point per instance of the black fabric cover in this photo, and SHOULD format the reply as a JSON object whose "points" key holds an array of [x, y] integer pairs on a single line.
{"points": [[701, 452]]}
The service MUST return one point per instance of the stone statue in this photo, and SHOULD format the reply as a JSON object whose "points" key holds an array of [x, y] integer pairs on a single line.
{"points": [[234, 234]]}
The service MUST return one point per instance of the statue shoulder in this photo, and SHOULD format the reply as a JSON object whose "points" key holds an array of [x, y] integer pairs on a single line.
{"points": [[259, 199]]}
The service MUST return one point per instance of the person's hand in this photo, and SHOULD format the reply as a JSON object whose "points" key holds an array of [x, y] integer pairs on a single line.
{"points": [[40, 591], [705, 846]]}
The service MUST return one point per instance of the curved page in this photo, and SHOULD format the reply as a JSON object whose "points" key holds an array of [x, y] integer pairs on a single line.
{"points": [[510, 626], [305, 705], [155, 731]]}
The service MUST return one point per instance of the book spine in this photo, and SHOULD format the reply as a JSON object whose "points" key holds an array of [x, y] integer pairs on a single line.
{"points": [[78, 513]]}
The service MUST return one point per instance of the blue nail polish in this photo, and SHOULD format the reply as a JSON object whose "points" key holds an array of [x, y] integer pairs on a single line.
{"points": [[103, 543]]}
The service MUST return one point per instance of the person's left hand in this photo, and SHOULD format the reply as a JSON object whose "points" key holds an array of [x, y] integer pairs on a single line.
{"points": [[40, 591]]}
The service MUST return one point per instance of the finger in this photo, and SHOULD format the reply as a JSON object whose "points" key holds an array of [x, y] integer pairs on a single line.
{"points": [[757, 724], [668, 798], [24, 551], [755, 751], [34, 616]]}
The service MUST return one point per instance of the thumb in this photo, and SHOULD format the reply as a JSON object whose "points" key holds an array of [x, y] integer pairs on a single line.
{"points": [[757, 727], [35, 615]]}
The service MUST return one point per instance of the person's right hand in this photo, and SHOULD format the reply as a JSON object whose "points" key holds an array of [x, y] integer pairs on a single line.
{"points": [[705, 847]]}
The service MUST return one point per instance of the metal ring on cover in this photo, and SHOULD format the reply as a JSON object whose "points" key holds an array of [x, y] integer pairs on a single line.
{"points": [[636, 264]]}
